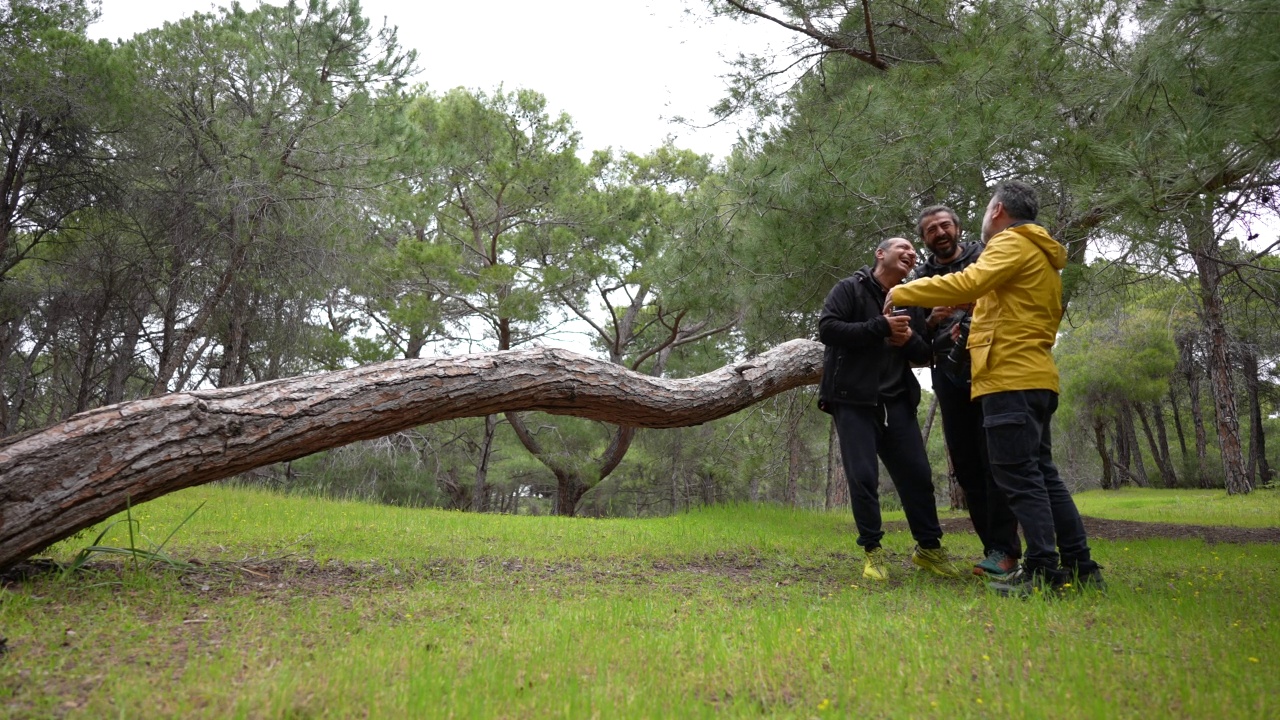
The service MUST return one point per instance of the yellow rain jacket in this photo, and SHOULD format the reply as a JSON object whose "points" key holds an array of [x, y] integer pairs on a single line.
{"points": [[1019, 294]]}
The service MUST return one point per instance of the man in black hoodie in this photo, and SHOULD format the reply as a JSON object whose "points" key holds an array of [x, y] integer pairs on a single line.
{"points": [[947, 329], [868, 388]]}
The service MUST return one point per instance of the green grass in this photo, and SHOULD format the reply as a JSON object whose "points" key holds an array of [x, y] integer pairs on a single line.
{"points": [[1260, 508], [327, 609]]}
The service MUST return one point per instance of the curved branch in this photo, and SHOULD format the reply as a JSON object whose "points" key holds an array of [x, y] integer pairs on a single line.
{"points": [[69, 476]]}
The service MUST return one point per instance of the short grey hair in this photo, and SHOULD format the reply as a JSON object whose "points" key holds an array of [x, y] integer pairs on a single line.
{"points": [[1019, 200]]}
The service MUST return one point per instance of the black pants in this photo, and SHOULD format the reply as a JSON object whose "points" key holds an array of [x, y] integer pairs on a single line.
{"points": [[892, 432], [993, 520], [1021, 453]]}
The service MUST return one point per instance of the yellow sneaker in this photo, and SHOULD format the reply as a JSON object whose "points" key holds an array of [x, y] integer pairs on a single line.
{"points": [[877, 567], [935, 561]]}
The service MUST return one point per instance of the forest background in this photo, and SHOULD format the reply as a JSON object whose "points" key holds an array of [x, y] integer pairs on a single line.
{"points": [[258, 193]]}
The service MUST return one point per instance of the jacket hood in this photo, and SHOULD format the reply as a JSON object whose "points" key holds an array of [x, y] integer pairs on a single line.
{"points": [[1040, 237], [863, 274], [969, 251]]}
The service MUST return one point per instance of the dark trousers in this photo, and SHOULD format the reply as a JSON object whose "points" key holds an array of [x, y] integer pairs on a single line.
{"points": [[892, 432], [1021, 453], [993, 520]]}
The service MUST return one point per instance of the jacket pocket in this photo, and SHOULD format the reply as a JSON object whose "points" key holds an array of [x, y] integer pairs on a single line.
{"points": [[980, 350]]}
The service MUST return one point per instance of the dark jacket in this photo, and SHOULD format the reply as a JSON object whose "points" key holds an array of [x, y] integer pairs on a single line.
{"points": [[946, 357], [854, 329]]}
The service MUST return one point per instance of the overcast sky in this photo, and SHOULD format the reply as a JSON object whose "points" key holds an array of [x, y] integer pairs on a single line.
{"points": [[621, 68]]}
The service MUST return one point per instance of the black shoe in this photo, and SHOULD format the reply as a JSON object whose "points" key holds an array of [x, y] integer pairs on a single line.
{"points": [[1087, 581], [1030, 582]]}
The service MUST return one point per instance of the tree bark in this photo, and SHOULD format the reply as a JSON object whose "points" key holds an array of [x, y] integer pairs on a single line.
{"points": [[1186, 358], [795, 459], [1205, 252], [1177, 424], [1161, 458], [928, 421], [837, 485], [1259, 471], [73, 474], [955, 493], [481, 491], [1162, 435], [1139, 465], [1100, 442]]}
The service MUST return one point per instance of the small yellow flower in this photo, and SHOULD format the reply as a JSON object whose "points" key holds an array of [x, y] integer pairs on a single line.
{"points": [[824, 704], [986, 657], [1254, 660], [978, 700]]}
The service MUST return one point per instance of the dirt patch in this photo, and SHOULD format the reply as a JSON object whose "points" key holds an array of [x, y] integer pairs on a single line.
{"points": [[282, 578], [1104, 529]]}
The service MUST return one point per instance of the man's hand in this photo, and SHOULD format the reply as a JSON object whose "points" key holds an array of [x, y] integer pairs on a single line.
{"points": [[938, 315], [899, 329]]}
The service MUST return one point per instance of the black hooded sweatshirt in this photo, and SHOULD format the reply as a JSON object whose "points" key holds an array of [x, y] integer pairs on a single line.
{"points": [[859, 367]]}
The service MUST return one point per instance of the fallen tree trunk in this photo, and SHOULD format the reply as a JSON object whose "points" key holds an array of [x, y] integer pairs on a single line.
{"points": [[69, 476]]}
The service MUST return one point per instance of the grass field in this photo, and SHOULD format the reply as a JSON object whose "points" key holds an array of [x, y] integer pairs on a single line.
{"points": [[1186, 507], [309, 608]]}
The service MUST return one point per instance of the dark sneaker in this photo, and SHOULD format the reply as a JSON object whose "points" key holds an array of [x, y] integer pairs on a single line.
{"points": [[1088, 581], [1025, 583], [936, 561], [996, 566]]}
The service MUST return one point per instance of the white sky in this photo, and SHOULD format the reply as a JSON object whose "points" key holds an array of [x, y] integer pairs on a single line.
{"points": [[620, 68]]}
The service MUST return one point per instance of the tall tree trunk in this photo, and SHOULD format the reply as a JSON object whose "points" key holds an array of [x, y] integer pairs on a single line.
{"points": [[1162, 435], [1100, 442], [18, 397], [1124, 453], [928, 420], [1158, 454], [122, 363], [1177, 424], [1135, 450], [1186, 351], [1205, 252], [959, 501], [837, 485], [569, 490], [481, 491], [236, 343], [174, 350], [89, 345], [1259, 470], [677, 451], [795, 458]]}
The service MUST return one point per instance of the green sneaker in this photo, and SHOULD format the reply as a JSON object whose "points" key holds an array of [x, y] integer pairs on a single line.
{"points": [[997, 565], [935, 561], [877, 567]]}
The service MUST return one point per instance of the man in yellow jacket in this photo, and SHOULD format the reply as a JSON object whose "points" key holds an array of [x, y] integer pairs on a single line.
{"points": [[1018, 292]]}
